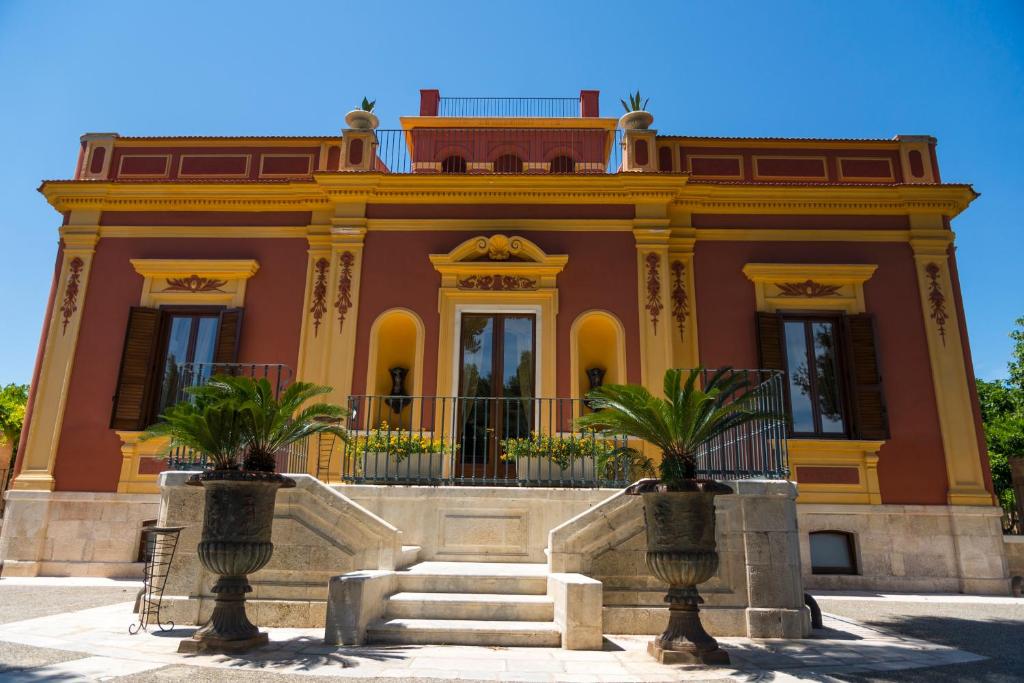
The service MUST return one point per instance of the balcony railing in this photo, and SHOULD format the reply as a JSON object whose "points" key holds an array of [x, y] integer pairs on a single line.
{"points": [[550, 107], [292, 460], [436, 440], [459, 151]]}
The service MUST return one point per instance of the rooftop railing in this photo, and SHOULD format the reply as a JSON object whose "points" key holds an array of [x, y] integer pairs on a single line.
{"points": [[551, 107], [460, 151]]}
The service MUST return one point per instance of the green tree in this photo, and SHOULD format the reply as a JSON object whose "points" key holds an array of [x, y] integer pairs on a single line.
{"points": [[1002, 413], [13, 399]]}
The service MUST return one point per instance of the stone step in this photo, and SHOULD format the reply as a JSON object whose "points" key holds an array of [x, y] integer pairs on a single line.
{"points": [[474, 577], [464, 632], [472, 606], [408, 556]]}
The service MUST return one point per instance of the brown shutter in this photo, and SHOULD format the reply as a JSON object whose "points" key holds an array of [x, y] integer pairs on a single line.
{"points": [[769, 342], [137, 378], [866, 394], [228, 336]]}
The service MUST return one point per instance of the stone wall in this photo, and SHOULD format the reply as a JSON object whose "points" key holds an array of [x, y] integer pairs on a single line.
{"points": [[757, 591], [67, 533], [1014, 554], [912, 548], [318, 533], [476, 523]]}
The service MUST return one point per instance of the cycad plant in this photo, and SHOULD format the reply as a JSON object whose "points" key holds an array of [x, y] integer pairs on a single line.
{"points": [[636, 102], [262, 425], [688, 417]]}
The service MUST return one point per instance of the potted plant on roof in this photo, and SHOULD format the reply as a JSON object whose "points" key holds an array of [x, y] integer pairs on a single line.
{"points": [[636, 117], [679, 507], [240, 426], [362, 117]]}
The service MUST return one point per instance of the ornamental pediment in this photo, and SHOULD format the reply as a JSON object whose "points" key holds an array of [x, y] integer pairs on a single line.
{"points": [[498, 263]]}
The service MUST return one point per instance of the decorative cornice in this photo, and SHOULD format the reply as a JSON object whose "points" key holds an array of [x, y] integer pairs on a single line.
{"points": [[497, 283], [214, 269]]}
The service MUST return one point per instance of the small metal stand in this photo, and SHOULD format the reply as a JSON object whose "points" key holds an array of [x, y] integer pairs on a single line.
{"points": [[325, 449], [160, 544]]}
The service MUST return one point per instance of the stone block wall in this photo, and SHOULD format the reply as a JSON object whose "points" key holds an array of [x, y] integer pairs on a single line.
{"points": [[757, 591], [49, 533], [318, 533], [911, 548]]}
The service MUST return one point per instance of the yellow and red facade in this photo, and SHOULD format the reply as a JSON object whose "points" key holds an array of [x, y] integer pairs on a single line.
{"points": [[343, 267]]}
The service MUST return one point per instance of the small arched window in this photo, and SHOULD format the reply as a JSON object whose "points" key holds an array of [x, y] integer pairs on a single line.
{"points": [[453, 164], [832, 552], [508, 163], [563, 164]]}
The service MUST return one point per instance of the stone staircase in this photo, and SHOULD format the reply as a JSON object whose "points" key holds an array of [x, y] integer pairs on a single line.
{"points": [[469, 603]]}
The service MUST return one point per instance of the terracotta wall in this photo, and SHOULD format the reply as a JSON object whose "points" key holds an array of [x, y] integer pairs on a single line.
{"points": [[601, 273], [89, 457], [911, 465]]}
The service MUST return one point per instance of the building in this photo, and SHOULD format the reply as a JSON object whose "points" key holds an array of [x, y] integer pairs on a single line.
{"points": [[531, 240]]}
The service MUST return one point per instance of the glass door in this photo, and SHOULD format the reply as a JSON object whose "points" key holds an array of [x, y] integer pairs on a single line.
{"points": [[496, 388]]}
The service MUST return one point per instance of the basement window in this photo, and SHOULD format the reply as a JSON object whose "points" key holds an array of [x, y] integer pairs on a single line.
{"points": [[832, 552]]}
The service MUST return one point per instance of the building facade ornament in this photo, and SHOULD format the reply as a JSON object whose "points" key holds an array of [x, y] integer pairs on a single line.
{"points": [[654, 304], [194, 283], [70, 304], [497, 282], [936, 300], [807, 288], [680, 299], [319, 306], [344, 301]]}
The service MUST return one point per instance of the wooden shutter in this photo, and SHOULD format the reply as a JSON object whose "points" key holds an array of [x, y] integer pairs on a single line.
{"points": [[229, 334], [866, 394], [769, 342], [137, 377]]}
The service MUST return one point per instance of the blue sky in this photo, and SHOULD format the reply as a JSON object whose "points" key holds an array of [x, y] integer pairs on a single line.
{"points": [[842, 69]]}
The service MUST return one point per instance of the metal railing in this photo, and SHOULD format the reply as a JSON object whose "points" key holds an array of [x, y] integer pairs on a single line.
{"points": [[436, 440], [178, 379], [460, 151], [552, 107]]}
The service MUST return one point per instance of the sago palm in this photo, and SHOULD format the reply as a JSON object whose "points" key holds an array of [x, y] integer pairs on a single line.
{"points": [[212, 429], [687, 418], [270, 424]]}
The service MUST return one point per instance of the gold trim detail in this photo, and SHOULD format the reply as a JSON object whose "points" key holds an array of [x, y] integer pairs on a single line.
{"points": [[497, 283], [838, 453], [806, 286], [194, 283]]}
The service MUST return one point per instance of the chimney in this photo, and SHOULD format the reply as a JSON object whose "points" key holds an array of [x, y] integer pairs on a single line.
{"points": [[430, 102], [589, 106]]}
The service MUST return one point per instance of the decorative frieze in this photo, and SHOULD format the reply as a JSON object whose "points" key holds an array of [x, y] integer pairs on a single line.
{"points": [[194, 283], [344, 301], [680, 299], [70, 303], [319, 306], [654, 304], [936, 300], [807, 288], [497, 283]]}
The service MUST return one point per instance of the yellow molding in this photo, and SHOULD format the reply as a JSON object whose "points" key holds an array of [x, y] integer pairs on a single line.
{"points": [[412, 122], [857, 454], [800, 235], [224, 269], [844, 283], [206, 231], [132, 454], [328, 189], [480, 224], [531, 261]]}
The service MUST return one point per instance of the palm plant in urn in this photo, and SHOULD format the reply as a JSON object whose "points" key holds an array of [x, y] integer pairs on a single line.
{"points": [[679, 507], [240, 426]]}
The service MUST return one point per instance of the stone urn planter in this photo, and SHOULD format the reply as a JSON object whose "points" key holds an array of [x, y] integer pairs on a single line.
{"points": [[236, 542], [681, 552], [546, 470], [636, 120], [359, 119]]}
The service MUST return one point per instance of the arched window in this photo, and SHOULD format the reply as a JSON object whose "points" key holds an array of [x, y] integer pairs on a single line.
{"points": [[563, 164], [453, 164], [833, 552], [508, 163]]}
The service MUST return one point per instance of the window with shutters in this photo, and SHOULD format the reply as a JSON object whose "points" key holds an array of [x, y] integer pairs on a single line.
{"points": [[814, 376], [186, 337]]}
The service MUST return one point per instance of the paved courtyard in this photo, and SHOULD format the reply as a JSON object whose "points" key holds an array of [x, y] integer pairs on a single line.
{"points": [[77, 629]]}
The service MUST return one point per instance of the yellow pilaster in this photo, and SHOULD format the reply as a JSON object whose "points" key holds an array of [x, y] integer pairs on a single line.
{"points": [[79, 235], [655, 306], [682, 292], [949, 373]]}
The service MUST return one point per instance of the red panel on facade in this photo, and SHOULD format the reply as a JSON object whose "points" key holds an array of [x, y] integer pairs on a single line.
{"points": [[89, 455], [214, 165], [238, 218], [144, 165], [866, 168], [790, 167], [589, 211], [291, 164], [912, 467], [827, 475], [99, 155], [727, 167]]}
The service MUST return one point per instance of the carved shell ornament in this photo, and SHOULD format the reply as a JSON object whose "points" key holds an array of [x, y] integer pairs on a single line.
{"points": [[499, 247]]}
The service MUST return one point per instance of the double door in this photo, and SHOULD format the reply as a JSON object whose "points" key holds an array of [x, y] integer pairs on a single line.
{"points": [[497, 361]]}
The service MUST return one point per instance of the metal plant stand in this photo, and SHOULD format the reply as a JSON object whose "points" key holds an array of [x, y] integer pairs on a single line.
{"points": [[325, 449], [160, 545]]}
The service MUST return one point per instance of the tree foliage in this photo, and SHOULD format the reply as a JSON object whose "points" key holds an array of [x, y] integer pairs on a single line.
{"points": [[13, 399], [1002, 412]]}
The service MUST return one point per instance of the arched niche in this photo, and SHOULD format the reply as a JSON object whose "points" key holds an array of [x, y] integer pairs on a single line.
{"points": [[396, 340], [597, 339]]}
